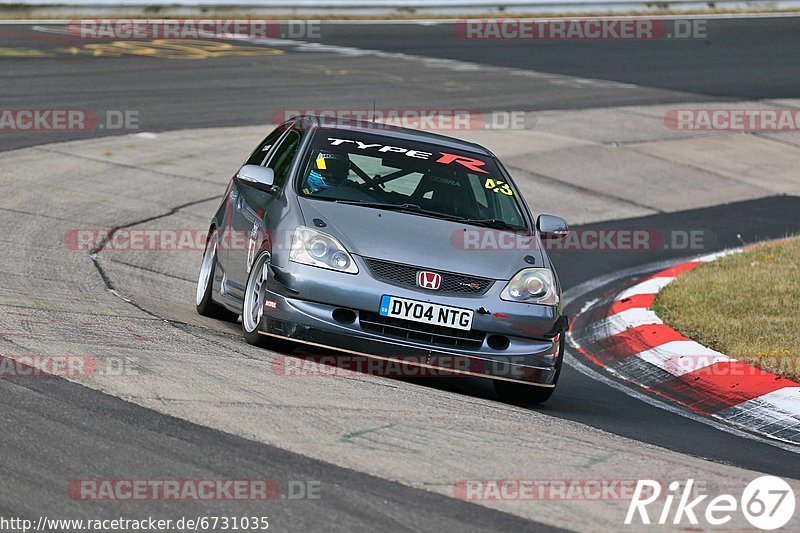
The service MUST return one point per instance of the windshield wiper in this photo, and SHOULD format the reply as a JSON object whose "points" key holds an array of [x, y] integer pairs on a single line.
{"points": [[408, 208], [495, 223]]}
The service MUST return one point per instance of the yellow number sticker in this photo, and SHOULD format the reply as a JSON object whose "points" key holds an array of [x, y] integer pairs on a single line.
{"points": [[498, 186]]}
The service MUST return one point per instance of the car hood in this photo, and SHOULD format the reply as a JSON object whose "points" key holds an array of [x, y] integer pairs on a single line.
{"points": [[424, 241]]}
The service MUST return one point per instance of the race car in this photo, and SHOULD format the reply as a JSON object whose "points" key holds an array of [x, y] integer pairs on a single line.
{"points": [[390, 243]]}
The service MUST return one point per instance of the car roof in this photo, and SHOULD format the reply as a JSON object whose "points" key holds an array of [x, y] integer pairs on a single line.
{"points": [[377, 128]]}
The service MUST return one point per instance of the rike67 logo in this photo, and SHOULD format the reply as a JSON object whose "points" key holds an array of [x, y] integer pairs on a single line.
{"points": [[767, 503]]}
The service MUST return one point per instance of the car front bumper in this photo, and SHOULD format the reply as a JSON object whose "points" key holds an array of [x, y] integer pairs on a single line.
{"points": [[301, 301]]}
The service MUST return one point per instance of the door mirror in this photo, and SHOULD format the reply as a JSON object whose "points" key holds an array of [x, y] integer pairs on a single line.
{"points": [[261, 178], [552, 227]]}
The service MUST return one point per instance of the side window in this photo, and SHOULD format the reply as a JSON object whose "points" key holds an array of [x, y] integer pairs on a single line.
{"points": [[259, 156], [284, 155]]}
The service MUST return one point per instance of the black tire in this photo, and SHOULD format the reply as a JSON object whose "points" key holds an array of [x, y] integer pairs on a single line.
{"points": [[204, 303], [522, 394], [252, 336]]}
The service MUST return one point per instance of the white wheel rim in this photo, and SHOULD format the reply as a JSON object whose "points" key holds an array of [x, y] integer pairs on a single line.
{"points": [[206, 268], [254, 296]]}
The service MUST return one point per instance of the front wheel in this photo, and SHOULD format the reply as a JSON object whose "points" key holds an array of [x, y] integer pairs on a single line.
{"points": [[205, 284], [253, 307]]}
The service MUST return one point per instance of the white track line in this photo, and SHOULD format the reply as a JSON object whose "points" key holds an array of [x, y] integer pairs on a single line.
{"points": [[681, 357], [624, 320], [649, 286]]}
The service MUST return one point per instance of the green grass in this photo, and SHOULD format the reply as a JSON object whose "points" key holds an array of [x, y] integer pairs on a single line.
{"points": [[744, 305]]}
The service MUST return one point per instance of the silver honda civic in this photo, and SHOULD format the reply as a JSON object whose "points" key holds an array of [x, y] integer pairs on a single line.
{"points": [[391, 244]]}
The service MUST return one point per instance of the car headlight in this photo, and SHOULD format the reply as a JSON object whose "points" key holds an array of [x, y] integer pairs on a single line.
{"points": [[312, 247], [532, 285]]}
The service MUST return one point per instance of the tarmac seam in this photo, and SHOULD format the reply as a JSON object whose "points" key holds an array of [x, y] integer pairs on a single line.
{"points": [[587, 190]]}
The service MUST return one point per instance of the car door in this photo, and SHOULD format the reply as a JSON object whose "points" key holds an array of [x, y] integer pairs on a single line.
{"points": [[250, 216], [227, 234]]}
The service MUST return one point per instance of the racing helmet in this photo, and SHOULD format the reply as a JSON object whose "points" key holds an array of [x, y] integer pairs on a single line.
{"points": [[329, 170]]}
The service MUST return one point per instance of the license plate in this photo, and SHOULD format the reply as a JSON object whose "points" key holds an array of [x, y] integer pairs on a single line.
{"points": [[439, 315]]}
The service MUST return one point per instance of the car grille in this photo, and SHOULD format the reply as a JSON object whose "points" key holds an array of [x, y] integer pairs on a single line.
{"points": [[406, 275], [417, 331]]}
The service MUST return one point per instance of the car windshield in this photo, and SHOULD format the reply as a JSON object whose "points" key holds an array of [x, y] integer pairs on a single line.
{"points": [[392, 173]]}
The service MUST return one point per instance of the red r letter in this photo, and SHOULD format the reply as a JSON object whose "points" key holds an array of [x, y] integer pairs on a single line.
{"points": [[468, 162]]}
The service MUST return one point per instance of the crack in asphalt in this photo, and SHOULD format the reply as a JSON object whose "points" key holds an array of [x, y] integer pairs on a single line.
{"points": [[587, 190], [94, 256], [734, 179], [37, 215], [151, 270], [94, 252], [15, 305], [761, 135]]}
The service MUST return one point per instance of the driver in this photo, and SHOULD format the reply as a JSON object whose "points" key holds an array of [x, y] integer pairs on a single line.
{"points": [[329, 170]]}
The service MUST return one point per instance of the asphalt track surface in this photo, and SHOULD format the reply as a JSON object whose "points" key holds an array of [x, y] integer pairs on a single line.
{"points": [[61, 428], [740, 59]]}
